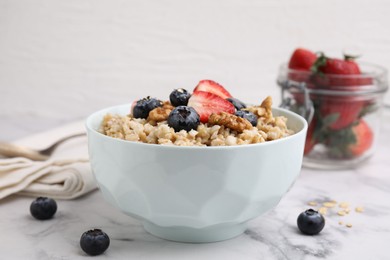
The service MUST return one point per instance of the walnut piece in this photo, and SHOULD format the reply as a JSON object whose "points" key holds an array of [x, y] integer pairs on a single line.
{"points": [[264, 110], [167, 105], [267, 103], [160, 114], [233, 122]]}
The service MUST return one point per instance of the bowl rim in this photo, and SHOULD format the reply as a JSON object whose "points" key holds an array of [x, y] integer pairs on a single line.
{"points": [[104, 111]]}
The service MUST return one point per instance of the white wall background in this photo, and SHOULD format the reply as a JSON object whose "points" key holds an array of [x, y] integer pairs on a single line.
{"points": [[61, 60]]}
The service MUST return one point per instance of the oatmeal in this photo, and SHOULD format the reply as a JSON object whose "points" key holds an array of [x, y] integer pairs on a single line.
{"points": [[203, 119]]}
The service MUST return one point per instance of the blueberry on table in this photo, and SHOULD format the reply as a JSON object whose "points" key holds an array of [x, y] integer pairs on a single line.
{"points": [[252, 118], [310, 222], [143, 106], [43, 208], [183, 118], [94, 242], [238, 104], [179, 97]]}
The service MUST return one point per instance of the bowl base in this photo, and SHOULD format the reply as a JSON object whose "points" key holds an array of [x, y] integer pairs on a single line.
{"points": [[194, 235]]}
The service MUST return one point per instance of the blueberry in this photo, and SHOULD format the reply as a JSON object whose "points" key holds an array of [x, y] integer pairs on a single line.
{"points": [[144, 106], [252, 118], [94, 242], [238, 104], [183, 118], [310, 222], [179, 97], [43, 208]]}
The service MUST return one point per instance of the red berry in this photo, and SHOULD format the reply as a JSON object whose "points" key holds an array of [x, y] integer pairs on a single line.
{"points": [[212, 87], [334, 73], [310, 140], [364, 138], [302, 59], [206, 103], [345, 109], [340, 67], [300, 63]]}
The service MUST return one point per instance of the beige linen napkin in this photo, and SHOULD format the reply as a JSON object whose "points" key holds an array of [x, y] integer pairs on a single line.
{"points": [[66, 175]]}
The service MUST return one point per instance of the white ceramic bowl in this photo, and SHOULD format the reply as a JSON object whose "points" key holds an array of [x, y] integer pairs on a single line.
{"points": [[194, 194]]}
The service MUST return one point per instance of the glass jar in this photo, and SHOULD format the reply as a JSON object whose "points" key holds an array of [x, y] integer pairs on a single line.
{"points": [[343, 112]]}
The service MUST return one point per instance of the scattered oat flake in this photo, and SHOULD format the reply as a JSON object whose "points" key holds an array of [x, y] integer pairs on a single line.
{"points": [[329, 204], [348, 225], [341, 213], [344, 205], [359, 209], [312, 203], [347, 211], [323, 210]]}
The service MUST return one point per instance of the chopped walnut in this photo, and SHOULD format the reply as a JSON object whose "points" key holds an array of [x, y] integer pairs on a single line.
{"points": [[233, 122], [167, 105], [264, 110], [267, 103], [160, 114], [258, 111]]}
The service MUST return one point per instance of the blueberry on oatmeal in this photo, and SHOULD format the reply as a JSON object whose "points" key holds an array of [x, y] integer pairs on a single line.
{"points": [[252, 118], [183, 118], [238, 104], [179, 97], [144, 106]]}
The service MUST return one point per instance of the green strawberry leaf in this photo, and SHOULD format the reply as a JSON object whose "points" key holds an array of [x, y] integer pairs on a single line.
{"points": [[339, 142], [351, 57], [320, 62], [330, 119]]}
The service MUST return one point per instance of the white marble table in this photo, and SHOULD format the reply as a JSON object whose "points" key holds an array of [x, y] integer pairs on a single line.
{"points": [[271, 236]]}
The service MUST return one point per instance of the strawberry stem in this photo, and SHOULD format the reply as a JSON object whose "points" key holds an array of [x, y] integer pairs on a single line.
{"points": [[349, 57], [320, 62]]}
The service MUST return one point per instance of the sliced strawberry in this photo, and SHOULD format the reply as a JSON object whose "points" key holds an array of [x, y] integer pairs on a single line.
{"points": [[206, 103], [364, 138], [132, 106], [212, 87]]}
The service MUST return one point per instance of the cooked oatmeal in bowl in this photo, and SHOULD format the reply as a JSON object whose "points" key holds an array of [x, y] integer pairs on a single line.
{"points": [[237, 125], [181, 173]]}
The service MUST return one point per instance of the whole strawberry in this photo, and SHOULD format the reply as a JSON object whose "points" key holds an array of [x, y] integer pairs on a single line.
{"points": [[338, 75], [310, 137], [340, 112], [302, 59], [364, 138], [299, 66], [334, 73], [350, 142]]}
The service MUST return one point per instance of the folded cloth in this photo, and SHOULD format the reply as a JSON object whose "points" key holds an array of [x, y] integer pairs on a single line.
{"points": [[65, 175]]}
